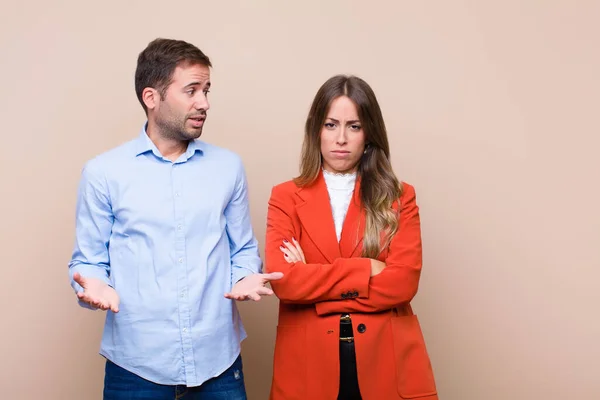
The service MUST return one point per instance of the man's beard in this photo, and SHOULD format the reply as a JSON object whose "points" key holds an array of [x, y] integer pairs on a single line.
{"points": [[175, 130]]}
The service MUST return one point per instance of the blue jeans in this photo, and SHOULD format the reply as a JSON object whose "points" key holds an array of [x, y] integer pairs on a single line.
{"points": [[120, 384]]}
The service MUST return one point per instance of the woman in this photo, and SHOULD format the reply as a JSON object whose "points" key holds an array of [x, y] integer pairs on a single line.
{"points": [[346, 235]]}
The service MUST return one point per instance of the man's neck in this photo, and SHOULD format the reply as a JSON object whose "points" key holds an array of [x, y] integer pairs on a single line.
{"points": [[171, 149]]}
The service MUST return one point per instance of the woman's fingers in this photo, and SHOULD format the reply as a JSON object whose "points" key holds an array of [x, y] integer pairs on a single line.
{"points": [[297, 245], [293, 250], [289, 255]]}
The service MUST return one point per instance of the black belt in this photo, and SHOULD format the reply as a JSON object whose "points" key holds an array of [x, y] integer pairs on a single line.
{"points": [[346, 333]]}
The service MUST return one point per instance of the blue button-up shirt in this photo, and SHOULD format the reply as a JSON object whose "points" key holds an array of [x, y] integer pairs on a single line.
{"points": [[171, 238]]}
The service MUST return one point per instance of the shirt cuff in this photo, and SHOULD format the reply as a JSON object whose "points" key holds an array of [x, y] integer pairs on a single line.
{"points": [[239, 274], [88, 271]]}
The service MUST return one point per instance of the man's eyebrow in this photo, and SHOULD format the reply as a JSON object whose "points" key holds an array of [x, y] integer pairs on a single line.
{"points": [[196, 83]]}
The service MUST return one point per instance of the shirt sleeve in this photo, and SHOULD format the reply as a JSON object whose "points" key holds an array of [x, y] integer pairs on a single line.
{"points": [[245, 256], [94, 221]]}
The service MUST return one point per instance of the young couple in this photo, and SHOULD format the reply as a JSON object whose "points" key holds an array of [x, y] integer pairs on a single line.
{"points": [[164, 243]]}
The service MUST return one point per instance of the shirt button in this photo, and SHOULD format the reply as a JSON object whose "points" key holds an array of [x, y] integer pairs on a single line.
{"points": [[185, 329], [179, 227], [177, 194], [180, 260]]}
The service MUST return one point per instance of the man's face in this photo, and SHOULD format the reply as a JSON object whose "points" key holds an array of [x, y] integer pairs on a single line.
{"points": [[181, 113]]}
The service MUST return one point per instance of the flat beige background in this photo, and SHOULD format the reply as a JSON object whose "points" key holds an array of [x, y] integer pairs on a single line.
{"points": [[493, 114]]}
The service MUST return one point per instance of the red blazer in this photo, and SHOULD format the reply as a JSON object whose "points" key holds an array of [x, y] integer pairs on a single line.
{"points": [[391, 356]]}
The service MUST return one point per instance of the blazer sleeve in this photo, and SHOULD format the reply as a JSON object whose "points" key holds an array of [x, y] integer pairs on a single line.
{"points": [[308, 283], [398, 283]]}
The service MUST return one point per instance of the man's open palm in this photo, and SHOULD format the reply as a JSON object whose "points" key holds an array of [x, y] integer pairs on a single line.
{"points": [[97, 293], [253, 287]]}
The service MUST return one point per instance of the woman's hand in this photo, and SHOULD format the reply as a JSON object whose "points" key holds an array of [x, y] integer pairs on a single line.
{"points": [[292, 252]]}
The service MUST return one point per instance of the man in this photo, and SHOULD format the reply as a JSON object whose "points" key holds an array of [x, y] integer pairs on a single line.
{"points": [[164, 243]]}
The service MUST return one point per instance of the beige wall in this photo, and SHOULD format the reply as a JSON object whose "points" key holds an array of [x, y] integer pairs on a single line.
{"points": [[492, 109]]}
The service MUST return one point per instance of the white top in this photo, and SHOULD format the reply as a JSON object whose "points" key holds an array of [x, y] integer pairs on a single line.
{"points": [[340, 188]]}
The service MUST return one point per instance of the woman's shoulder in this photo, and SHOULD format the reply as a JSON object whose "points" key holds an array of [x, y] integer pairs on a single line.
{"points": [[406, 189], [408, 195], [284, 189]]}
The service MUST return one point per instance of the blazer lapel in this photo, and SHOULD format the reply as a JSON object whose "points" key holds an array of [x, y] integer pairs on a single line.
{"points": [[354, 226], [317, 218]]}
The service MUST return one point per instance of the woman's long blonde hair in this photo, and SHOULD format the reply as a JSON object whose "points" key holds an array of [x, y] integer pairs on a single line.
{"points": [[379, 187]]}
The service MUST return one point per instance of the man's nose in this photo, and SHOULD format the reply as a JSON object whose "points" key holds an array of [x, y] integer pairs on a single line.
{"points": [[202, 103]]}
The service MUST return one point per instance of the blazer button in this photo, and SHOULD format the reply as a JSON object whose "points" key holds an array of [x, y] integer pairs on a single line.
{"points": [[355, 294], [344, 295], [361, 328]]}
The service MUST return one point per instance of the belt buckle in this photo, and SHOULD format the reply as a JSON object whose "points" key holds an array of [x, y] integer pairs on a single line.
{"points": [[346, 320]]}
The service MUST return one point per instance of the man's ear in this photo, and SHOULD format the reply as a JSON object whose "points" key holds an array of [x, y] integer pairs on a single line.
{"points": [[151, 97]]}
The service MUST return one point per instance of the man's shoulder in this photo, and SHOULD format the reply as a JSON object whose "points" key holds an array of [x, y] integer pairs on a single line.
{"points": [[222, 158], [112, 158], [218, 151]]}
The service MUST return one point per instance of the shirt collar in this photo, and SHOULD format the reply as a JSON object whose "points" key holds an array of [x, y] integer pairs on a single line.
{"points": [[144, 145]]}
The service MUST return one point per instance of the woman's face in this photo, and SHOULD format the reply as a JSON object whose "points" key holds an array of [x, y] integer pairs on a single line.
{"points": [[342, 137]]}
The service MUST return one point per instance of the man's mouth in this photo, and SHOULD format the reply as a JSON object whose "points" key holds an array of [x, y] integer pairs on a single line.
{"points": [[197, 122]]}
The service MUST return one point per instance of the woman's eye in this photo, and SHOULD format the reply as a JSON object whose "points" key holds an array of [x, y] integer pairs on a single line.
{"points": [[329, 125], [355, 127]]}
